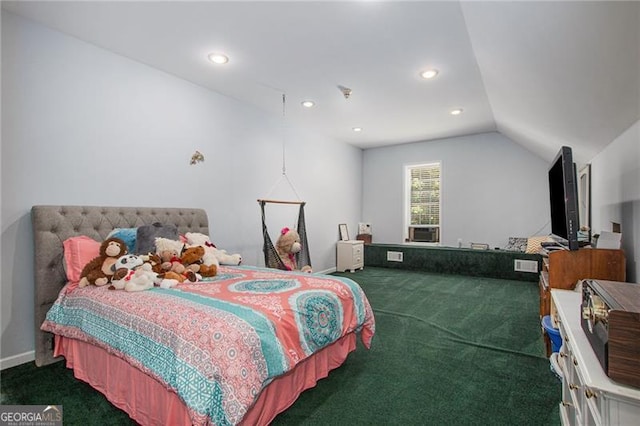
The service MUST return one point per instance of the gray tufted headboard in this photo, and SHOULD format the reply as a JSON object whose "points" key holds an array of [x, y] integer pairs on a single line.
{"points": [[54, 224]]}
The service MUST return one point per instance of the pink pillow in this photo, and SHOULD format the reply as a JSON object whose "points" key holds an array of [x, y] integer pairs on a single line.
{"points": [[78, 251]]}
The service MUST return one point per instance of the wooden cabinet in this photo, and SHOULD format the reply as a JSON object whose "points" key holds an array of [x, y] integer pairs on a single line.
{"points": [[589, 396], [562, 269], [350, 255]]}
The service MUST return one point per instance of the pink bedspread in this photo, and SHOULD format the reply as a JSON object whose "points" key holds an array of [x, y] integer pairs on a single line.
{"points": [[148, 402], [217, 344]]}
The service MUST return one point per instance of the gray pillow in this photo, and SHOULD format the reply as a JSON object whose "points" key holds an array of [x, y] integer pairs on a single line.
{"points": [[147, 234]]}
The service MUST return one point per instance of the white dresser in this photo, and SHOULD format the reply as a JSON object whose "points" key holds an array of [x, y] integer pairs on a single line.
{"points": [[350, 255], [589, 396]]}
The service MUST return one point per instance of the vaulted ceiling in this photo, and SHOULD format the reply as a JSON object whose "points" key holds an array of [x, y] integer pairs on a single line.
{"points": [[545, 74]]}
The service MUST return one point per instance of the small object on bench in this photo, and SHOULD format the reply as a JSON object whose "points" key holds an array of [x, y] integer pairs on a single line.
{"points": [[364, 237], [547, 244], [518, 244], [479, 246]]}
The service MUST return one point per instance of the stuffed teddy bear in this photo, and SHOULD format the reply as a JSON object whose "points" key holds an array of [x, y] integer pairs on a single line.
{"points": [[209, 260], [130, 274], [98, 271], [192, 258], [169, 252], [287, 245], [222, 257]]}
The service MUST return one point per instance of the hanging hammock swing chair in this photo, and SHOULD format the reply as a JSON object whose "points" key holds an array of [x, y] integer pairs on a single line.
{"points": [[271, 257]]}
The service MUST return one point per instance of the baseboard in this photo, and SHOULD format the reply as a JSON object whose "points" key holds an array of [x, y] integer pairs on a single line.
{"points": [[14, 360], [326, 271]]}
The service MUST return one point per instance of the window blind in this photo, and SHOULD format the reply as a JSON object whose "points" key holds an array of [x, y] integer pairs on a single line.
{"points": [[424, 205]]}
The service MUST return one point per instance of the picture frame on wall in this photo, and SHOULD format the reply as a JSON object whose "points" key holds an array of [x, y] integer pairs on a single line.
{"points": [[344, 232], [584, 200]]}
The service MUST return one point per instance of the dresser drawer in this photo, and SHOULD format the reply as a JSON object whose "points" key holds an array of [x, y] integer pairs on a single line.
{"points": [[358, 254]]}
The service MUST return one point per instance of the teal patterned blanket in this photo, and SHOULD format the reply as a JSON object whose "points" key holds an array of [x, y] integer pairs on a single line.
{"points": [[217, 343]]}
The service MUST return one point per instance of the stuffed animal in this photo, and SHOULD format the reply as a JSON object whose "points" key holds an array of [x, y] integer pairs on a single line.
{"points": [[154, 260], [287, 245], [169, 252], [223, 258], [209, 262], [178, 278], [131, 275], [98, 271], [135, 273], [192, 258], [169, 279]]}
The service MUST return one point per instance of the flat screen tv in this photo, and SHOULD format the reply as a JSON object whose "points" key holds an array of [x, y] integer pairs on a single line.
{"points": [[563, 196]]}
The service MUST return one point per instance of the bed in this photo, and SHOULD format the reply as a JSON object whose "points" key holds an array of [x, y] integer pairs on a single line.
{"points": [[236, 349]]}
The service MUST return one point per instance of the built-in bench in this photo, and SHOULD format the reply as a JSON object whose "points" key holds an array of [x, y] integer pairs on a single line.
{"points": [[449, 260]]}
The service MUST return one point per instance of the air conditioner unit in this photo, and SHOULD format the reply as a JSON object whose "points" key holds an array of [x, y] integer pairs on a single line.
{"points": [[424, 234]]}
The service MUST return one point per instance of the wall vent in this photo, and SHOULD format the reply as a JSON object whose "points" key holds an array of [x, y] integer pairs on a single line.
{"points": [[395, 256], [521, 265]]}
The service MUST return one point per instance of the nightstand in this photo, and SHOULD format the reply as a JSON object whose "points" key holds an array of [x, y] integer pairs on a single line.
{"points": [[350, 255]]}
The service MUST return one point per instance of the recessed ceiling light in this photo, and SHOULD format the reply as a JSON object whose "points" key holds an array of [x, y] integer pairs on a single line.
{"points": [[218, 58], [456, 111], [308, 104], [430, 73], [357, 129]]}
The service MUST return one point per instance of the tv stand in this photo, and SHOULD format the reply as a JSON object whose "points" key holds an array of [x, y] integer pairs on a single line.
{"points": [[564, 268]]}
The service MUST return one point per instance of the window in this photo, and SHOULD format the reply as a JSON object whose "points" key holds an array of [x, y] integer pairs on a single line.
{"points": [[422, 201]]}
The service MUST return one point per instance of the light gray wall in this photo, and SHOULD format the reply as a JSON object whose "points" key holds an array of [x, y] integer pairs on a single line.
{"points": [[81, 125], [615, 191], [492, 189]]}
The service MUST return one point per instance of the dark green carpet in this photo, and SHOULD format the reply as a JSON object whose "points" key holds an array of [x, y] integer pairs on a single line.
{"points": [[448, 350]]}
